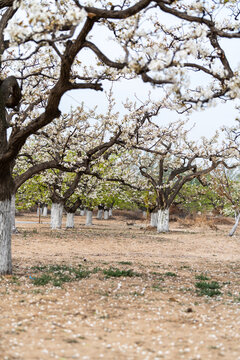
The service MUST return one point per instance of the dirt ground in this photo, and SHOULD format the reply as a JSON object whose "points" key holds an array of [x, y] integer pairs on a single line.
{"points": [[135, 294]]}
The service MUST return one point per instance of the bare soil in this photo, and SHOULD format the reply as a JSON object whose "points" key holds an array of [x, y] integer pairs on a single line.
{"points": [[153, 310]]}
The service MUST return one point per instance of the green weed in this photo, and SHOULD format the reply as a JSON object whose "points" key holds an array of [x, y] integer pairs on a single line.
{"points": [[169, 273], [208, 288], [202, 277], [57, 275], [114, 272]]}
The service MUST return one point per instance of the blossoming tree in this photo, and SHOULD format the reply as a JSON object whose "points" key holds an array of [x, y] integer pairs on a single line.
{"points": [[43, 46], [168, 159]]}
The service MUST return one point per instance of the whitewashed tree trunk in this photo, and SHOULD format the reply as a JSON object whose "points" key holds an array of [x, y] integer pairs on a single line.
{"points": [[163, 220], [56, 216], [144, 214], [13, 213], [106, 214], [45, 210], [70, 220], [82, 212], [89, 218], [110, 213], [5, 237], [154, 219], [39, 209], [99, 214], [234, 228]]}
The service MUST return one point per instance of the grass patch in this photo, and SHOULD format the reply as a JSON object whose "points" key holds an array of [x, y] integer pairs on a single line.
{"points": [[115, 272], [202, 277], [169, 273], [42, 280], [57, 275], [208, 288], [125, 262]]}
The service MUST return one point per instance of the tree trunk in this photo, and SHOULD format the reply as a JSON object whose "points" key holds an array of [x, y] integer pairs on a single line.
{"points": [[56, 216], [82, 212], [6, 181], [13, 213], [154, 219], [70, 221], [163, 220], [99, 214], [144, 214], [39, 210], [89, 218], [106, 214], [234, 228], [6, 191], [5, 237], [110, 213], [45, 210]]}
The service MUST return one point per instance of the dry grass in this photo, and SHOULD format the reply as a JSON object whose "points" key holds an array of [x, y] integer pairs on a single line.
{"points": [[114, 291], [205, 221]]}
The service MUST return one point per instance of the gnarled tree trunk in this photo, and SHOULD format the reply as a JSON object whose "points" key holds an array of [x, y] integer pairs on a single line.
{"points": [[10, 96]]}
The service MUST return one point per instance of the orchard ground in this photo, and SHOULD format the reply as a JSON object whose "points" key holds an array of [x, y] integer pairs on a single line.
{"points": [[118, 290]]}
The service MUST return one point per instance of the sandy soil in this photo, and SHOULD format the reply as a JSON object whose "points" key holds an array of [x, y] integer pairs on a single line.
{"points": [[156, 313]]}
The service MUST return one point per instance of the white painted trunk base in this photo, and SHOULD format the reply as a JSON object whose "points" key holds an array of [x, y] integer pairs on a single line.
{"points": [[144, 214], [154, 219], [13, 213], [45, 210], [70, 220], [89, 218], [56, 216], [163, 220], [234, 228], [106, 214], [110, 213], [39, 210], [5, 237], [99, 214]]}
